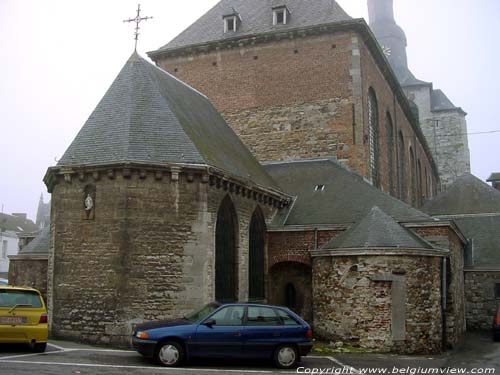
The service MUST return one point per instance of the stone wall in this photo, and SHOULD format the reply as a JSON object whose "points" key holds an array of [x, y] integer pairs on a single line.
{"points": [[445, 237], [481, 304], [354, 302], [147, 252], [446, 134], [306, 94], [29, 270]]}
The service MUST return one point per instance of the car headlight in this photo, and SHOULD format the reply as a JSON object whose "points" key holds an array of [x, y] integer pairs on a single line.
{"points": [[142, 335]]}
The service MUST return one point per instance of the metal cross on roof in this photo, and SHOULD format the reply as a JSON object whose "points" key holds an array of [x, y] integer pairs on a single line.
{"points": [[137, 21]]}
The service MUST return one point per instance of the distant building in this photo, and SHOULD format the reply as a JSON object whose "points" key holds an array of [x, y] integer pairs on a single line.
{"points": [[495, 180], [11, 228], [475, 208]]}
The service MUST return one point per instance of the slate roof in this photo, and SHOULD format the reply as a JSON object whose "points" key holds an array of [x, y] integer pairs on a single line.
{"points": [[484, 231], [440, 102], [256, 18], [467, 195], [377, 230], [39, 244], [16, 224], [346, 198], [149, 116]]}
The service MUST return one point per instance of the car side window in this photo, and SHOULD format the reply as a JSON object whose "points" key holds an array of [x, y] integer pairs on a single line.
{"points": [[229, 316], [286, 318], [262, 316]]}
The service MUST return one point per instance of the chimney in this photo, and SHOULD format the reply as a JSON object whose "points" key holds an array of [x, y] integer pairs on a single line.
{"points": [[495, 180]]}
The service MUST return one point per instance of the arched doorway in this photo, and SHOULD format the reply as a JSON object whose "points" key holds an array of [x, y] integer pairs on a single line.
{"points": [[290, 284], [226, 253], [256, 260]]}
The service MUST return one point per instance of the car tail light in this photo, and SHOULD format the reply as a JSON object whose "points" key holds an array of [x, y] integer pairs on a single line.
{"points": [[497, 320], [309, 333], [43, 318]]}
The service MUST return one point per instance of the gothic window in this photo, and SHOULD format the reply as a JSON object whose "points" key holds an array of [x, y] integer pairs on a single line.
{"points": [[413, 179], [373, 137], [390, 152], [419, 183], [226, 248], [88, 202], [401, 167], [256, 264]]}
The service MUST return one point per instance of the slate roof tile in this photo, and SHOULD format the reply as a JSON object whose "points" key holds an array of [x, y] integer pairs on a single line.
{"points": [[346, 198], [257, 18], [149, 116], [377, 230]]}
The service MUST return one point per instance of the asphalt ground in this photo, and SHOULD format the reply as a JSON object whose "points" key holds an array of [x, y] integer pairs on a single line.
{"points": [[70, 358]]}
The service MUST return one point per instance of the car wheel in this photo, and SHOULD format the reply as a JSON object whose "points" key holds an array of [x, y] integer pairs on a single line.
{"points": [[286, 356], [169, 353], [39, 347], [496, 337]]}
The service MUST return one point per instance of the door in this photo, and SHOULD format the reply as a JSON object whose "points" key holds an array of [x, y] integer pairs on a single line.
{"points": [[224, 338]]}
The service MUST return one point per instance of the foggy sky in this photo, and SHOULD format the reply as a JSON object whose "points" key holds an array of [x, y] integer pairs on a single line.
{"points": [[58, 58]]}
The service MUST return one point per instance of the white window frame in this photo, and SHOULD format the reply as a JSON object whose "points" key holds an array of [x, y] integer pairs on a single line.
{"points": [[275, 16], [226, 24]]}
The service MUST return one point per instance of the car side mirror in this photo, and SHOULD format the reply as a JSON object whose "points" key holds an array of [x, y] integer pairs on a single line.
{"points": [[209, 323]]}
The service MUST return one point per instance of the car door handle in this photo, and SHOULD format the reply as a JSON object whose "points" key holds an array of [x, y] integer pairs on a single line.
{"points": [[237, 334], [276, 334]]}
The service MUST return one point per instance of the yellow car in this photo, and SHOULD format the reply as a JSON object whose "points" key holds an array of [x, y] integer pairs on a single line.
{"points": [[23, 317]]}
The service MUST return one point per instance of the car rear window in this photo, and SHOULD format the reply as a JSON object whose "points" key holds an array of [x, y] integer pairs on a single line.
{"points": [[286, 318], [11, 298]]}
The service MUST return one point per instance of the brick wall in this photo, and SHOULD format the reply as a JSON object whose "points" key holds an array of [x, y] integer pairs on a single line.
{"points": [[388, 104], [301, 97]]}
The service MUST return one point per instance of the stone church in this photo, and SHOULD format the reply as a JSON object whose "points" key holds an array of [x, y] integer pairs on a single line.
{"points": [[276, 152]]}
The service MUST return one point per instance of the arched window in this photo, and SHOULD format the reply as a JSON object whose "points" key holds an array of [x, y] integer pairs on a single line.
{"points": [[256, 256], [373, 137], [419, 183], [401, 167], [226, 251], [390, 152], [413, 179]]}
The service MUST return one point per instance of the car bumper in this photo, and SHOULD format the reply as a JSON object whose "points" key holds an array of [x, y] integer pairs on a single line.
{"points": [[145, 347], [305, 348], [21, 334]]}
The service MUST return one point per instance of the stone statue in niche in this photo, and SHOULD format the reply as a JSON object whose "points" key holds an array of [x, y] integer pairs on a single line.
{"points": [[88, 203]]}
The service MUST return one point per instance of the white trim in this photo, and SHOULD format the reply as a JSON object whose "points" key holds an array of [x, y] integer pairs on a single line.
{"points": [[226, 24]]}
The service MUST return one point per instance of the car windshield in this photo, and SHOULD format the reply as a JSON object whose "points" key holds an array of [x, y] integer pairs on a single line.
{"points": [[11, 298], [201, 313]]}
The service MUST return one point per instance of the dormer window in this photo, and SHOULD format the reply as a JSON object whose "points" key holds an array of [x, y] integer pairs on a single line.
{"points": [[231, 21], [230, 24], [281, 15]]}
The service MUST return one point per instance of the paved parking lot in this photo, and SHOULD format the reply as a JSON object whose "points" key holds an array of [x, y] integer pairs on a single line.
{"points": [[68, 358]]}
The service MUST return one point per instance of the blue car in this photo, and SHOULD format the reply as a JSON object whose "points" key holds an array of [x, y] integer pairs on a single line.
{"points": [[236, 330]]}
